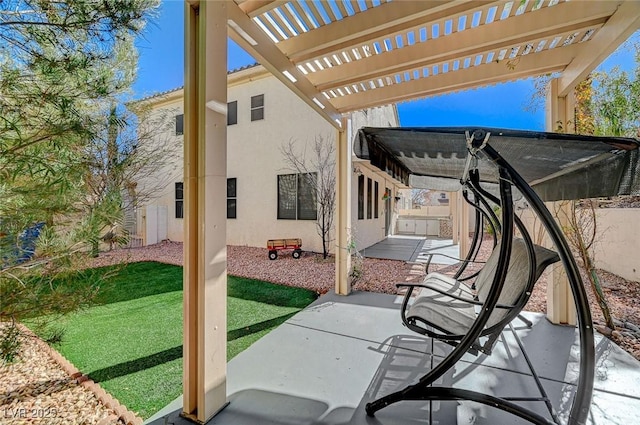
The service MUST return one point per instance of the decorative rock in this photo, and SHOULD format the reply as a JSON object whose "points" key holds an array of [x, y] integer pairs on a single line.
{"points": [[82, 379], [604, 330], [39, 382]]}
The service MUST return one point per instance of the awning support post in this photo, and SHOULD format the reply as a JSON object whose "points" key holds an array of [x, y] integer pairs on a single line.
{"points": [[205, 253], [560, 117], [343, 210]]}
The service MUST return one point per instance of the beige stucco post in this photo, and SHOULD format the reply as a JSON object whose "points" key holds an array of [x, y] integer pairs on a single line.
{"points": [[463, 212], [455, 218], [560, 117], [343, 210], [205, 158]]}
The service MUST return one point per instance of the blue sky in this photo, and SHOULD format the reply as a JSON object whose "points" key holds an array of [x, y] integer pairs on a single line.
{"points": [[161, 68]]}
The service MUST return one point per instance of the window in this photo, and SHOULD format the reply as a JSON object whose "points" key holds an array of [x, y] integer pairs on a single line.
{"points": [[376, 200], [360, 197], [179, 200], [297, 197], [231, 198], [232, 113], [369, 199], [257, 107], [179, 124]]}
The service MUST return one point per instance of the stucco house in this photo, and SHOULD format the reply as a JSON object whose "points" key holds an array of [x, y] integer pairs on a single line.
{"points": [[265, 198]]}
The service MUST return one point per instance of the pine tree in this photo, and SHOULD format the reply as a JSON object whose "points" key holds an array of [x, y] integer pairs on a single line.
{"points": [[62, 63]]}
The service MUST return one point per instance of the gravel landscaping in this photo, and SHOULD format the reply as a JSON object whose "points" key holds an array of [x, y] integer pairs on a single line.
{"points": [[37, 386], [37, 390]]}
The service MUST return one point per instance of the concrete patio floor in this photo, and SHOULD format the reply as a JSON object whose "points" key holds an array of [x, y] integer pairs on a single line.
{"points": [[324, 364], [413, 249]]}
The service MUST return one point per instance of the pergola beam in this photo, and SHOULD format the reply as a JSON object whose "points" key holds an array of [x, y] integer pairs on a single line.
{"points": [[482, 39], [548, 61], [622, 24], [255, 42], [376, 23], [255, 8]]}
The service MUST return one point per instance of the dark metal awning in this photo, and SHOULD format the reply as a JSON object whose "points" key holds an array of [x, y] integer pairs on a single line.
{"points": [[557, 166]]}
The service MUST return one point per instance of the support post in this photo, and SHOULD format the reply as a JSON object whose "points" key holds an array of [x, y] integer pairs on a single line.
{"points": [[455, 219], [560, 117], [343, 209], [463, 209], [205, 255]]}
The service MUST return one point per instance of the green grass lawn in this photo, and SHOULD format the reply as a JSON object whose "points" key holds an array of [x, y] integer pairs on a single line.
{"points": [[131, 343]]}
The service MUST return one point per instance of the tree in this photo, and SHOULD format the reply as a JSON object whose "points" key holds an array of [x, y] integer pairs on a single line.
{"points": [[616, 102], [125, 152], [319, 168], [62, 63]]}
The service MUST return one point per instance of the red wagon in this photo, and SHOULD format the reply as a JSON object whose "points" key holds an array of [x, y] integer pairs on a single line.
{"points": [[275, 245]]}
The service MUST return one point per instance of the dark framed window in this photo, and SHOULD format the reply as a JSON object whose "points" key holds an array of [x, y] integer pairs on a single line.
{"points": [[179, 124], [360, 197], [232, 113], [297, 197], [232, 198], [257, 107], [376, 199], [369, 199], [179, 200]]}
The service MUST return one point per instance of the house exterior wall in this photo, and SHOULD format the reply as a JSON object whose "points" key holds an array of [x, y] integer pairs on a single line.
{"points": [[618, 242], [165, 176], [367, 231], [255, 160]]}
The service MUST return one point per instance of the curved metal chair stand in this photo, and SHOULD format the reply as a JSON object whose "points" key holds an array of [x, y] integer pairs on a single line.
{"points": [[494, 314]]}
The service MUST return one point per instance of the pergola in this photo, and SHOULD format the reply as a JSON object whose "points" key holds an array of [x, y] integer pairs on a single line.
{"points": [[345, 55]]}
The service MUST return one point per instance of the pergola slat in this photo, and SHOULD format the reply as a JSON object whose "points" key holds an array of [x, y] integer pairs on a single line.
{"points": [[316, 13], [343, 10], [270, 26], [504, 34], [355, 6], [548, 15], [284, 24], [276, 63], [375, 24], [329, 11], [293, 20], [303, 16], [544, 62], [624, 22], [255, 8]]}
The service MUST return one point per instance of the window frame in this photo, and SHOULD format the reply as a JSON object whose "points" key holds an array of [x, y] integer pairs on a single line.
{"points": [[232, 197], [295, 201], [257, 110], [179, 124], [376, 200], [369, 198], [179, 200], [360, 197], [232, 106]]}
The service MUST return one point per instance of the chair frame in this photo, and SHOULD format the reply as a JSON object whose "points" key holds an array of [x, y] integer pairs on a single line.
{"points": [[424, 388]]}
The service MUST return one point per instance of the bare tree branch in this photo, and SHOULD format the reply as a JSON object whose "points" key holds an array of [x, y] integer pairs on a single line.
{"points": [[318, 167]]}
